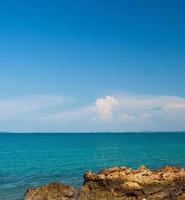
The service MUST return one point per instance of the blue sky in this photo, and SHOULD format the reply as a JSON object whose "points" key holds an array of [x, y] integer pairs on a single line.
{"points": [[60, 58]]}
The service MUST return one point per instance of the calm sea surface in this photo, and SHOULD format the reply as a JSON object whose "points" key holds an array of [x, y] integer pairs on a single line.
{"points": [[33, 159]]}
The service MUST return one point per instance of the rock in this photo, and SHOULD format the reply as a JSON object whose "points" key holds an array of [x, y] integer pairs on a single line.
{"points": [[129, 171], [101, 177], [53, 191], [116, 183], [123, 168], [110, 170], [89, 176], [130, 186], [168, 169]]}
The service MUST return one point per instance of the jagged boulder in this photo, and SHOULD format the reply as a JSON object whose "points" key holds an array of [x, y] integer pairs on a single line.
{"points": [[119, 184]]}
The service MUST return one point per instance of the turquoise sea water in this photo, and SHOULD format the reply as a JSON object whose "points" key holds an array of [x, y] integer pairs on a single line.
{"points": [[33, 159]]}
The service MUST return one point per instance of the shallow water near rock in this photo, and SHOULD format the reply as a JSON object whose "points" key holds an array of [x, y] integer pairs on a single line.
{"points": [[34, 159]]}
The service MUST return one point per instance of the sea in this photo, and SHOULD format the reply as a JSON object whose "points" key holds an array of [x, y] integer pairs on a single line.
{"points": [[33, 159]]}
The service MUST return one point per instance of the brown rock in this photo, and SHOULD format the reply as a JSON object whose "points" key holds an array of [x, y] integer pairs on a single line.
{"points": [[89, 176], [116, 183], [110, 170], [129, 186], [169, 169], [53, 191]]}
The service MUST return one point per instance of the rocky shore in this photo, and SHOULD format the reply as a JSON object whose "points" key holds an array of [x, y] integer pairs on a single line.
{"points": [[119, 184]]}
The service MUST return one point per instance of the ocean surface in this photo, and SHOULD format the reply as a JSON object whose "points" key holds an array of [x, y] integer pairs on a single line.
{"points": [[28, 160]]}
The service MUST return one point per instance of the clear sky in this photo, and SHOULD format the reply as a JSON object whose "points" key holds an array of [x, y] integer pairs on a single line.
{"points": [[92, 65]]}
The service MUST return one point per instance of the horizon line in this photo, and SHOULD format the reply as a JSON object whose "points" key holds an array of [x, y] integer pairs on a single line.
{"points": [[88, 132]]}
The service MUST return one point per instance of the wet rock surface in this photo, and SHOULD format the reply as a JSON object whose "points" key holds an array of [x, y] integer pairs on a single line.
{"points": [[119, 184]]}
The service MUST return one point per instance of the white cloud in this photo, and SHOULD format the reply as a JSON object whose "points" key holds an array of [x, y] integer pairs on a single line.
{"points": [[28, 105], [175, 105], [109, 113], [126, 112], [105, 106]]}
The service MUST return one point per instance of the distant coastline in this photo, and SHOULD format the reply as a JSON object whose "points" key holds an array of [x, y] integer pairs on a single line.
{"points": [[93, 132]]}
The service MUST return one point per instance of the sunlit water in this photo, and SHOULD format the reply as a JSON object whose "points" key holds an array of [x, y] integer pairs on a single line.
{"points": [[34, 159]]}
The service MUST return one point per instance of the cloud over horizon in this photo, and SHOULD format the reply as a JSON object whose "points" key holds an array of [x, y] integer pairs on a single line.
{"points": [[110, 113], [105, 106]]}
